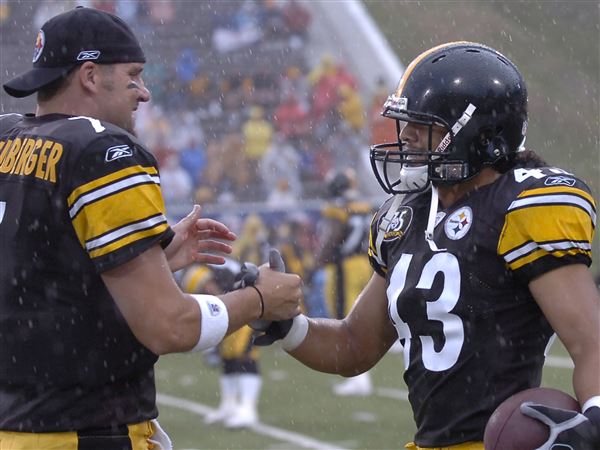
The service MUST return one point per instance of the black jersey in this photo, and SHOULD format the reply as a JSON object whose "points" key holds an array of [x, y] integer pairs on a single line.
{"points": [[77, 197], [472, 332], [351, 220]]}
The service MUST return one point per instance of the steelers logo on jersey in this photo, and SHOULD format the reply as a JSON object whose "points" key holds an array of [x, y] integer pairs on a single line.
{"points": [[459, 223], [398, 224]]}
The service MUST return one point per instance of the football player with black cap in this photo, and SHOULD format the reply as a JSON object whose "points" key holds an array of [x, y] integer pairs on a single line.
{"points": [[87, 297], [481, 255]]}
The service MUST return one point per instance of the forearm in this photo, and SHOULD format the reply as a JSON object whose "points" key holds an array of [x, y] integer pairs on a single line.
{"points": [[586, 375], [331, 347], [352, 345], [211, 318], [243, 306]]}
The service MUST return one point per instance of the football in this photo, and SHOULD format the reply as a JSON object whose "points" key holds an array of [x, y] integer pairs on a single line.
{"points": [[509, 429]]}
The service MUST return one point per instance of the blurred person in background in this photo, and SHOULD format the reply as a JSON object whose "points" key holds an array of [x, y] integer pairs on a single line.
{"points": [[176, 183], [294, 236], [480, 256], [380, 128], [342, 256], [240, 382], [351, 108], [291, 118], [280, 163], [252, 244], [257, 134], [88, 254]]}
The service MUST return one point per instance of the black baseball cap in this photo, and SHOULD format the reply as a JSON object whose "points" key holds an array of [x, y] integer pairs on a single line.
{"points": [[72, 38]]}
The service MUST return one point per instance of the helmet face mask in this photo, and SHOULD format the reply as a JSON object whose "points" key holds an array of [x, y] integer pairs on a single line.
{"points": [[471, 92]]}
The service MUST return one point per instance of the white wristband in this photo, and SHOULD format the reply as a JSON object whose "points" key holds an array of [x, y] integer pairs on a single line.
{"points": [[590, 403], [297, 333], [214, 321]]}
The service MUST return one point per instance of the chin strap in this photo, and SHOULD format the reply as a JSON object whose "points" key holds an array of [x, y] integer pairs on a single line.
{"points": [[433, 209]]}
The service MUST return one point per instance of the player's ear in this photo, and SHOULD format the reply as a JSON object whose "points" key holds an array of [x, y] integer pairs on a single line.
{"points": [[88, 75]]}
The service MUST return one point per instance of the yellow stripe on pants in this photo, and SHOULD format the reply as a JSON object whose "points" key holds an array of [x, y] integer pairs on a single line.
{"points": [[13, 440]]}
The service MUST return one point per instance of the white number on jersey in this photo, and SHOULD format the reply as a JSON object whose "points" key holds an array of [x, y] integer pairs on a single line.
{"points": [[96, 124], [437, 309], [522, 174]]}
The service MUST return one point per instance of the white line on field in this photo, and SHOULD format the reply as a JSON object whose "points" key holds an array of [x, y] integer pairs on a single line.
{"points": [[560, 362], [305, 441], [273, 432]]}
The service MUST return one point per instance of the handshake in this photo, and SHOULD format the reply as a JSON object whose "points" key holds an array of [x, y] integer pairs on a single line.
{"points": [[272, 330]]}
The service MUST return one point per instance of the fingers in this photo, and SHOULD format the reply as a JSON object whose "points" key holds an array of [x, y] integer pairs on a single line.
{"points": [[530, 409], [547, 414], [276, 260], [213, 246], [195, 212], [205, 252], [206, 258], [215, 229], [282, 293]]}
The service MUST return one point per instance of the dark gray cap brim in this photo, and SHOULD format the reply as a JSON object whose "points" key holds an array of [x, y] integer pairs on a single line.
{"points": [[31, 81]]}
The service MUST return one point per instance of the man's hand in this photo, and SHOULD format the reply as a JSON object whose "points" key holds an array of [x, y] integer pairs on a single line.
{"points": [[569, 430], [281, 293], [196, 240], [274, 332], [247, 276]]}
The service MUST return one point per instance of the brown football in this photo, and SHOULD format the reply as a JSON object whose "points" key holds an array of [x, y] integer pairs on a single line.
{"points": [[509, 429]]}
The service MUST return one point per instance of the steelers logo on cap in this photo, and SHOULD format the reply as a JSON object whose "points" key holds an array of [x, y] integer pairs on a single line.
{"points": [[39, 45]]}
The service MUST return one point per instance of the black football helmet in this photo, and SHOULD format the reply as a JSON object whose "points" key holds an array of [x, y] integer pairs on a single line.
{"points": [[340, 183], [476, 94]]}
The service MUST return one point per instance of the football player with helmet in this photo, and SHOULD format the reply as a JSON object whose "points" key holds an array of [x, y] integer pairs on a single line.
{"points": [[342, 256], [480, 255]]}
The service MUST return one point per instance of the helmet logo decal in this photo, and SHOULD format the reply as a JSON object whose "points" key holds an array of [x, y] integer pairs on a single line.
{"points": [[459, 223], [395, 103], [399, 224], [460, 123], [40, 40]]}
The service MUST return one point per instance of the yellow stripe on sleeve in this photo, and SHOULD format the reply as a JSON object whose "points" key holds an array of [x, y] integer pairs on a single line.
{"points": [[159, 229], [108, 179], [557, 190], [539, 230], [117, 210]]}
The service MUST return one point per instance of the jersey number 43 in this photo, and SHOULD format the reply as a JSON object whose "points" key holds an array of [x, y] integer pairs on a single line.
{"points": [[437, 309]]}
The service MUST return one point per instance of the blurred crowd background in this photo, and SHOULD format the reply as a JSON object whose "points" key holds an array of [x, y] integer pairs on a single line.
{"points": [[255, 108], [242, 120]]}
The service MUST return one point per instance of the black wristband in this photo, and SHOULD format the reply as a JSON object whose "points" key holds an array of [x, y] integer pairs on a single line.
{"points": [[262, 301]]}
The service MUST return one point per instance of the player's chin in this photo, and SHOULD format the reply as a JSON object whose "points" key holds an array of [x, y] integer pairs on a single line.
{"points": [[129, 124]]}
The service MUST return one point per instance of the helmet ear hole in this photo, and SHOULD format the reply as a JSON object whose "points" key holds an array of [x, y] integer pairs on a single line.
{"points": [[490, 146], [485, 137], [497, 149]]}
